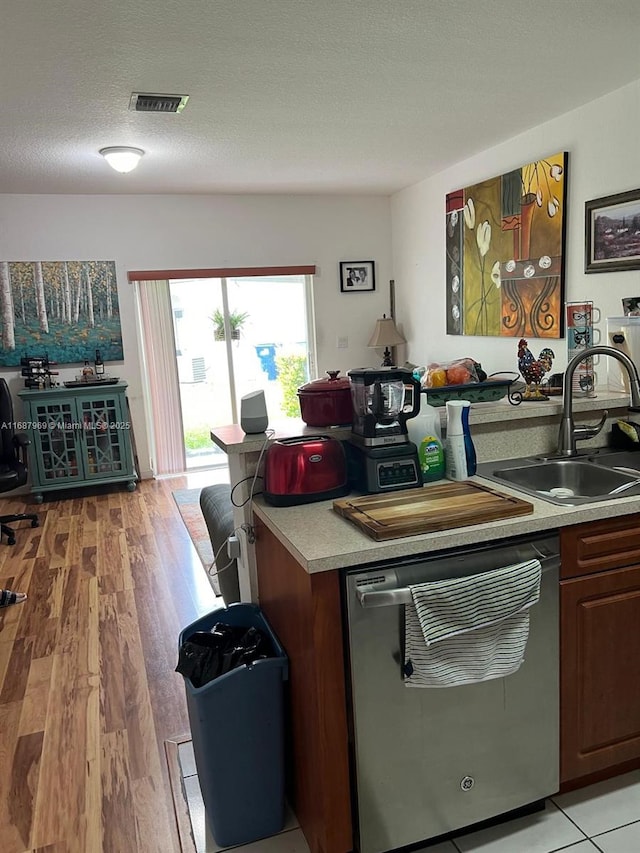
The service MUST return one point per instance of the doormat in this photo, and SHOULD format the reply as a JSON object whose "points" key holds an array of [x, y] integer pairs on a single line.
{"points": [[188, 503]]}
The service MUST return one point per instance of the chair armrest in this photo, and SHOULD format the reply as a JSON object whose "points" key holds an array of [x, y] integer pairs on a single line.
{"points": [[21, 439]]}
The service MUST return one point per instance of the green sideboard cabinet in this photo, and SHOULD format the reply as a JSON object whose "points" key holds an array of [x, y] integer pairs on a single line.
{"points": [[79, 437]]}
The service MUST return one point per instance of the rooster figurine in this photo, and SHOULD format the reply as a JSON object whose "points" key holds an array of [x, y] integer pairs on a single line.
{"points": [[533, 370]]}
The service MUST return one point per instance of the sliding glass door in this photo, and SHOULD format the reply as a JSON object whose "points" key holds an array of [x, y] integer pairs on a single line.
{"points": [[234, 336]]}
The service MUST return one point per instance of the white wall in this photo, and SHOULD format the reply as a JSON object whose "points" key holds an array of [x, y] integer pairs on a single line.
{"points": [[604, 158], [189, 232]]}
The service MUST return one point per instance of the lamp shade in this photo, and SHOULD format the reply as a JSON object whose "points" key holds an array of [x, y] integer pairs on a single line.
{"points": [[385, 334], [121, 158]]}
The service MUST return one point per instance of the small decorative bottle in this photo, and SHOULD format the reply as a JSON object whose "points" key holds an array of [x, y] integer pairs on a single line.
{"points": [[99, 365], [87, 370]]}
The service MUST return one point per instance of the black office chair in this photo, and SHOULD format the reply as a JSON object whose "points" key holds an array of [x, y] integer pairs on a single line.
{"points": [[13, 463]]}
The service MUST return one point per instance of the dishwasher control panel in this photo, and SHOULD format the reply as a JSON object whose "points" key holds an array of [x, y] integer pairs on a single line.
{"points": [[386, 579]]}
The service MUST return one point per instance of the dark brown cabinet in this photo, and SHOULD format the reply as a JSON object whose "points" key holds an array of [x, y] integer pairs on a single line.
{"points": [[599, 669], [304, 611], [600, 649]]}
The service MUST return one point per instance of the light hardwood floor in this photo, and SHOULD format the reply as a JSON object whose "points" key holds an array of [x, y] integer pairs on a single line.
{"points": [[88, 692]]}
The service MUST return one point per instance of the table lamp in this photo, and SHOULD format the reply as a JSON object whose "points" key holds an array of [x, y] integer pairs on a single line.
{"points": [[386, 335]]}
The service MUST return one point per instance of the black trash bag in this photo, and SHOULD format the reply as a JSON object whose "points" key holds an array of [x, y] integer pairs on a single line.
{"points": [[206, 655]]}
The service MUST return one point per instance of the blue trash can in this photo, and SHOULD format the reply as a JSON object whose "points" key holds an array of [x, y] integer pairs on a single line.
{"points": [[267, 355], [237, 727]]}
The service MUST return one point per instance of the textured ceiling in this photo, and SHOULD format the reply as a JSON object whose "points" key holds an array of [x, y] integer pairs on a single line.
{"points": [[292, 95]]}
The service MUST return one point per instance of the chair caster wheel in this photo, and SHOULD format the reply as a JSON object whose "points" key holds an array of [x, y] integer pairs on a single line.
{"points": [[35, 523], [11, 540]]}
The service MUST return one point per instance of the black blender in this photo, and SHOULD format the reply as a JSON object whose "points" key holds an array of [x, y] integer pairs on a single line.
{"points": [[384, 399]]}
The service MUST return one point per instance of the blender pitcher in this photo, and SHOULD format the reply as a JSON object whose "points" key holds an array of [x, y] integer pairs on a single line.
{"points": [[383, 401]]}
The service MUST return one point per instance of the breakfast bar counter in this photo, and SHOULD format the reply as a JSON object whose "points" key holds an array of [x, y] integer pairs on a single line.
{"points": [[320, 540], [300, 550]]}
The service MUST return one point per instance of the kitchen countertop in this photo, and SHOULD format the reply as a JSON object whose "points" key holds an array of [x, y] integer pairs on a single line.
{"points": [[321, 540]]}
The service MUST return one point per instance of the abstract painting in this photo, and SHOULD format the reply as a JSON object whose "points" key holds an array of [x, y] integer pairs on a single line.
{"points": [[65, 310], [505, 242]]}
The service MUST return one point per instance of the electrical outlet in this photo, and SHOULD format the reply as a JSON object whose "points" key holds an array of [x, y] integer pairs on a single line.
{"points": [[343, 342], [233, 547]]}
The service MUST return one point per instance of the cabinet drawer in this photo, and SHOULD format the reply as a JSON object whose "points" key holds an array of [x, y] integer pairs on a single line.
{"points": [[600, 545]]}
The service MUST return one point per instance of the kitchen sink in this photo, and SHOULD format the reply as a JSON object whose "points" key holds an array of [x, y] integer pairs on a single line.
{"points": [[571, 481], [627, 459]]}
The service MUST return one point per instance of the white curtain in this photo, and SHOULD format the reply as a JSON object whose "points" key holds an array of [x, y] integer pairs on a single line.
{"points": [[162, 377]]}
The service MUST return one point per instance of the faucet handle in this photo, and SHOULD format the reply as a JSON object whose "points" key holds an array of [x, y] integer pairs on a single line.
{"points": [[581, 432]]}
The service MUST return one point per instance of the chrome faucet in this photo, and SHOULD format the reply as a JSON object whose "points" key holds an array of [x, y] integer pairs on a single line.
{"points": [[569, 432]]}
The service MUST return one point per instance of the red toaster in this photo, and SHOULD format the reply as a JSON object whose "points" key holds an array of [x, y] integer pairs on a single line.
{"points": [[305, 469]]}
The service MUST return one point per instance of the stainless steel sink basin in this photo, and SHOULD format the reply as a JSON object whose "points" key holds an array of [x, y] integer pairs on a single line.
{"points": [[568, 482], [627, 459]]}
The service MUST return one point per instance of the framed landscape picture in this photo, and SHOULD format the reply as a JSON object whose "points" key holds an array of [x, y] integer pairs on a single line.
{"points": [[65, 310], [612, 232]]}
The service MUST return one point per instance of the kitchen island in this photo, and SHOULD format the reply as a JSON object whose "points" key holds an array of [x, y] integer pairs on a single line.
{"points": [[300, 550]]}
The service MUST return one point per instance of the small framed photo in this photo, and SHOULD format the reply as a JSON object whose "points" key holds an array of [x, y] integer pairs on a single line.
{"points": [[356, 276], [631, 306], [612, 233]]}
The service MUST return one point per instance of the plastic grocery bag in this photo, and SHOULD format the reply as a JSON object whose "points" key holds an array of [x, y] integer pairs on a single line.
{"points": [[205, 655], [462, 371]]}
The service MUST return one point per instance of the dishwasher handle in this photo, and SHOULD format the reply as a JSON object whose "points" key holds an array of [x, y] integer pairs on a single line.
{"points": [[402, 595], [384, 597]]}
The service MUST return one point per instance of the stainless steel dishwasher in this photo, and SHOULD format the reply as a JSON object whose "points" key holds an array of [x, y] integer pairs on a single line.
{"points": [[429, 761]]}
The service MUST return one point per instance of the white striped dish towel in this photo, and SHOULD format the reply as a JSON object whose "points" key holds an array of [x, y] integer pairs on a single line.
{"points": [[470, 629]]}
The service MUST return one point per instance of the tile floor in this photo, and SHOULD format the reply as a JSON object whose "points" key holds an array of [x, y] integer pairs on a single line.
{"points": [[604, 817]]}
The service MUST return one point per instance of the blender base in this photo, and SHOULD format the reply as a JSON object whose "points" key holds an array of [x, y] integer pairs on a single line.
{"points": [[385, 469]]}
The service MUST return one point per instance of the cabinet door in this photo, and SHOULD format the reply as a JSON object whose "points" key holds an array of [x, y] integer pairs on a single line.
{"points": [[600, 671], [56, 436], [106, 451]]}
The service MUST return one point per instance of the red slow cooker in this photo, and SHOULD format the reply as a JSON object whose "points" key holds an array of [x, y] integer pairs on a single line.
{"points": [[326, 402]]}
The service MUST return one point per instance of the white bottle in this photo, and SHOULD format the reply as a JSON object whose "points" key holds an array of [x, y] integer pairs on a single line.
{"points": [[460, 454], [424, 432]]}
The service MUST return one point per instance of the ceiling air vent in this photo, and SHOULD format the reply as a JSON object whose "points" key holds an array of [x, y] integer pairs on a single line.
{"points": [[143, 102]]}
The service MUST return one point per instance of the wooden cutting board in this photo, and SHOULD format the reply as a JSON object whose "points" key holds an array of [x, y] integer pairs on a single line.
{"points": [[437, 507]]}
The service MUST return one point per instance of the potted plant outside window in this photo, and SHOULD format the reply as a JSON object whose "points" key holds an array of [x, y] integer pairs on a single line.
{"points": [[236, 321]]}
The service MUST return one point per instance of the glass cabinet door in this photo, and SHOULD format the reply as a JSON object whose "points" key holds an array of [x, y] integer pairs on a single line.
{"points": [[57, 436], [102, 426]]}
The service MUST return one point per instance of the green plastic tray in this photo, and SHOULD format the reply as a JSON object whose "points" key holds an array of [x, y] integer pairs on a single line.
{"points": [[489, 391]]}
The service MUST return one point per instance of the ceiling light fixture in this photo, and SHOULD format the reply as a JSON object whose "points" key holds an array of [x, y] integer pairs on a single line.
{"points": [[122, 158]]}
